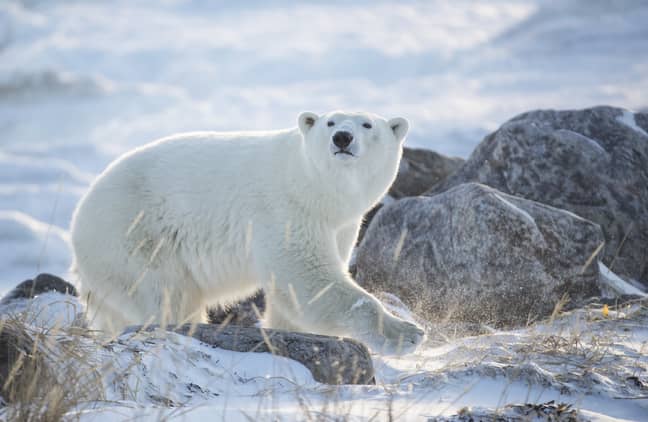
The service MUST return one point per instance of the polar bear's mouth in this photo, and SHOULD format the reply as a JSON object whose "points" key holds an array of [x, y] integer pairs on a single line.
{"points": [[344, 151]]}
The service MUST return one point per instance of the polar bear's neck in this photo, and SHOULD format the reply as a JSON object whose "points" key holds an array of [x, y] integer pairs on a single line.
{"points": [[335, 200]]}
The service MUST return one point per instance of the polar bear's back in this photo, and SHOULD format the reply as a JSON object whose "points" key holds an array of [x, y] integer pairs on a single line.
{"points": [[182, 176]]}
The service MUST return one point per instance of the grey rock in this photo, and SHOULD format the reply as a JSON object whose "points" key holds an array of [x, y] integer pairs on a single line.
{"points": [[331, 360], [592, 162], [420, 170], [41, 284], [549, 411], [241, 313], [476, 255]]}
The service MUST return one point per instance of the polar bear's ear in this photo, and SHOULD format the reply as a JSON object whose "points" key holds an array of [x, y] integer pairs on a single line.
{"points": [[399, 126], [306, 121]]}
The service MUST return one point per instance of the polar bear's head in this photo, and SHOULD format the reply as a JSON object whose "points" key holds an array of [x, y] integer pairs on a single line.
{"points": [[356, 153], [347, 138]]}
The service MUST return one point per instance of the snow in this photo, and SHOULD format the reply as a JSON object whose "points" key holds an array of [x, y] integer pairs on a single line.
{"points": [[82, 82], [592, 362], [48, 310], [628, 119], [617, 284]]}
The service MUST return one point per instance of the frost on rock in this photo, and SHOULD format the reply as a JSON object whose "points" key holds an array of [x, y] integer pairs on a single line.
{"points": [[618, 286], [628, 119]]}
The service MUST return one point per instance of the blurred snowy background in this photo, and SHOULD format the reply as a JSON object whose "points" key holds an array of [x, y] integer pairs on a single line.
{"points": [[83, 81]]}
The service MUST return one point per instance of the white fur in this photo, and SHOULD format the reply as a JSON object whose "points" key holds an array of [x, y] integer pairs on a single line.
{"points": [[204, 218]]}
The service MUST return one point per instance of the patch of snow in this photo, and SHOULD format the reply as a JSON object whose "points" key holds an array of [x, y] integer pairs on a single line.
{"points": [[617, 284], [47, 310], [628, 119], [166, 367]]}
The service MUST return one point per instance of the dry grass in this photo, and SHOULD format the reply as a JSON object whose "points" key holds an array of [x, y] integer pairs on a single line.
{"points": [[49, 374], [45, 373]]}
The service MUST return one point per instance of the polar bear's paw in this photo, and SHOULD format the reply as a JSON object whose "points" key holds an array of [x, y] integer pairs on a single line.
{"points": [[397, 337]]}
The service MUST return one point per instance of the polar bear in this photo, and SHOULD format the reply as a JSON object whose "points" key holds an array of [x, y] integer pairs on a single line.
{"points": [[203, 218]]}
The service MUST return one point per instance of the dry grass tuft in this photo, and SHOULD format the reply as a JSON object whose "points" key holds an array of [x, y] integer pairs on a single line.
{"points": [[45, 373]]}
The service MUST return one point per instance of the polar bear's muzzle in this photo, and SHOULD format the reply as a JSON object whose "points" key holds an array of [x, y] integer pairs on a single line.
{"points": [[342, 139], [343, 144]]}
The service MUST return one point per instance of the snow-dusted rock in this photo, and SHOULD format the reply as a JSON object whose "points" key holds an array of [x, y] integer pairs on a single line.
{"points": [[593, 162], [550, 411], [42, 283], [475, 254], [331, 360], [420, 170]]}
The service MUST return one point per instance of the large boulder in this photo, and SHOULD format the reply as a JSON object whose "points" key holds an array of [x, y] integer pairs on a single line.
{"points": [[593, 162], [475, 254], [420, 170]]}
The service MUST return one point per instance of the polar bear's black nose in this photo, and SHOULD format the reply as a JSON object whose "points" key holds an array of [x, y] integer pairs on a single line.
{"points": [[342, 139]]}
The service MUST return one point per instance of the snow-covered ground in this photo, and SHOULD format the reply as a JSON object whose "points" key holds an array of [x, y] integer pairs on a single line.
{"points": [[83, 81], [591, 360]]}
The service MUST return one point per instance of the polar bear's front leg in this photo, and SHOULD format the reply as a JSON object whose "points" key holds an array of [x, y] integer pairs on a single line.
{"points": [[308, 285]]}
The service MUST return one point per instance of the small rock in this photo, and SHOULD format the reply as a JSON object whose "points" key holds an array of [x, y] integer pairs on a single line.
{"points": [[41, 284], [550, 411], [420, 170]]}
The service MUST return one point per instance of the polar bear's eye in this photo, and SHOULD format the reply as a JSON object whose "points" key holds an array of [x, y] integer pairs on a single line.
{"points": [[330, 123], [366, 125]]}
